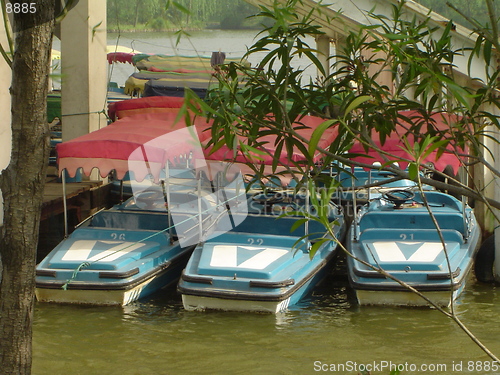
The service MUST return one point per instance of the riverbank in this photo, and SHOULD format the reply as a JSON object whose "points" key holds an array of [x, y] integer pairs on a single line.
{"points": [[160, 25]]}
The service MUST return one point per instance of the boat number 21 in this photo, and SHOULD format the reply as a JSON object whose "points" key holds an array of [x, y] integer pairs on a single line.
{"points": [[256, 241], [405, 236]]}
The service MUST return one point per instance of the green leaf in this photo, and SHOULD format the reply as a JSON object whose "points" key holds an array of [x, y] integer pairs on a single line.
{"points": [[181, 7], [357, 102], [316, 136], [297, 224], [487, 49], [413, 171], [316, 245]]}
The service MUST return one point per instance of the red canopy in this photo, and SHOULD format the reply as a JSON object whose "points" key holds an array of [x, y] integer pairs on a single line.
{"points": [[141, 144], [121, 57], [150, 104], [393, 144], [311, 123]]}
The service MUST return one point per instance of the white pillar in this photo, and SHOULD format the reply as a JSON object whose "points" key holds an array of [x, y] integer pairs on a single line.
{"points": [[323, 47], [495, 187], [489, 185], [84, 68], [5, 114], [339, 43]]}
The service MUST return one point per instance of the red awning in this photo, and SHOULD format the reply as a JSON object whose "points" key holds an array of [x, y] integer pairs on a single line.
{"points": [[150, 104], [394, 144], [311, 123], [141, 144]]}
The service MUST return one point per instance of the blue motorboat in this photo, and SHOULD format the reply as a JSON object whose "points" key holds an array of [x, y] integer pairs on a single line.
{"points": [[127, 252], [262, 264], [396, 233]]}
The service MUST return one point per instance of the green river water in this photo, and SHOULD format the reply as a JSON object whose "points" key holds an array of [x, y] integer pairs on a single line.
{"points": [[328, 333]]}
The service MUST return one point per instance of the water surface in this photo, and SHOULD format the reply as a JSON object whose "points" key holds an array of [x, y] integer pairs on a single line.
{"points": [[156, 336]]}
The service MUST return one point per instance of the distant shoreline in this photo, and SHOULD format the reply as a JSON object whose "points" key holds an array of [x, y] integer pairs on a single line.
{"points": [[174, 29]]}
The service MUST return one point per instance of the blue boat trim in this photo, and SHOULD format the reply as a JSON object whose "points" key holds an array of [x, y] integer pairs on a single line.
{"points": [[156, 272], [430, 276], [444, 275], [255, 296], [271, 284], [369, 274], [400, 288], [196, 279], [118, 275], [47, 273]]}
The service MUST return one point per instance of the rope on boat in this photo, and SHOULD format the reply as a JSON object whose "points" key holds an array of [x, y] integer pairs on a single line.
{"points": [[83, 265]]}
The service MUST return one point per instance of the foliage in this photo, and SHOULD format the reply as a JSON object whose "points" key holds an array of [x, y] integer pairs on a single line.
{"points": [[421, 76], [175, 14], [474, 9]]}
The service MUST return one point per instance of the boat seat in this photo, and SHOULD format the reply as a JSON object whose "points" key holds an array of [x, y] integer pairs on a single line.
{"points": [[450, 235], [183, 225], [439, 199], [130, 220], [278, 226], [114, 234], [412, 220]]}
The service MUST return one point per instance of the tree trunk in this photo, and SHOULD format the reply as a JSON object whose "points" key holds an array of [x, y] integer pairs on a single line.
{"points": [[22, 185], [136, 19]]}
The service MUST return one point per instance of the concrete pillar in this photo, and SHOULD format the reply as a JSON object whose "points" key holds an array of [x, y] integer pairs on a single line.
{"points": [[495, 187], [84, 68], [5, 114], [489, 185], [323, 47], [339, 45]]}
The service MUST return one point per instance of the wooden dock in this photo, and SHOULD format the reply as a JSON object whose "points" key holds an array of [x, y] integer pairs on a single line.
{"points": [[53, 203], [82, 199]]}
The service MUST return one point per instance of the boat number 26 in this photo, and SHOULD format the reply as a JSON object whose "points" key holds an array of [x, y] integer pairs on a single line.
{"points": [[405, 236], [256, 241], [118, 236]]}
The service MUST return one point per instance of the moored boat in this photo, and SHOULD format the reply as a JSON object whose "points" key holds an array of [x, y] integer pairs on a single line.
{"points": [[261, 265], [396, 233], [127, 252]]}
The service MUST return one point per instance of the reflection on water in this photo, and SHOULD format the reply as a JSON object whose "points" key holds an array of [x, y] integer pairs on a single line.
{"points": [[157, 336]]}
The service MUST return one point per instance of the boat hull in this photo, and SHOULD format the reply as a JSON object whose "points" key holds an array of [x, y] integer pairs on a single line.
{"points": [[406, 298], [274, 300], [200, 303], [113, 294]]}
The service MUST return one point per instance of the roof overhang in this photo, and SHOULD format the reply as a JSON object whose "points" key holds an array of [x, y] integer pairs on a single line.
{"points": [[341, 17]]}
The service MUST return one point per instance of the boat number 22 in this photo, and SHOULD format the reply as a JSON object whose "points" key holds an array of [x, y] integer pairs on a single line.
{"points": [[256, 241], [405, 236]]}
